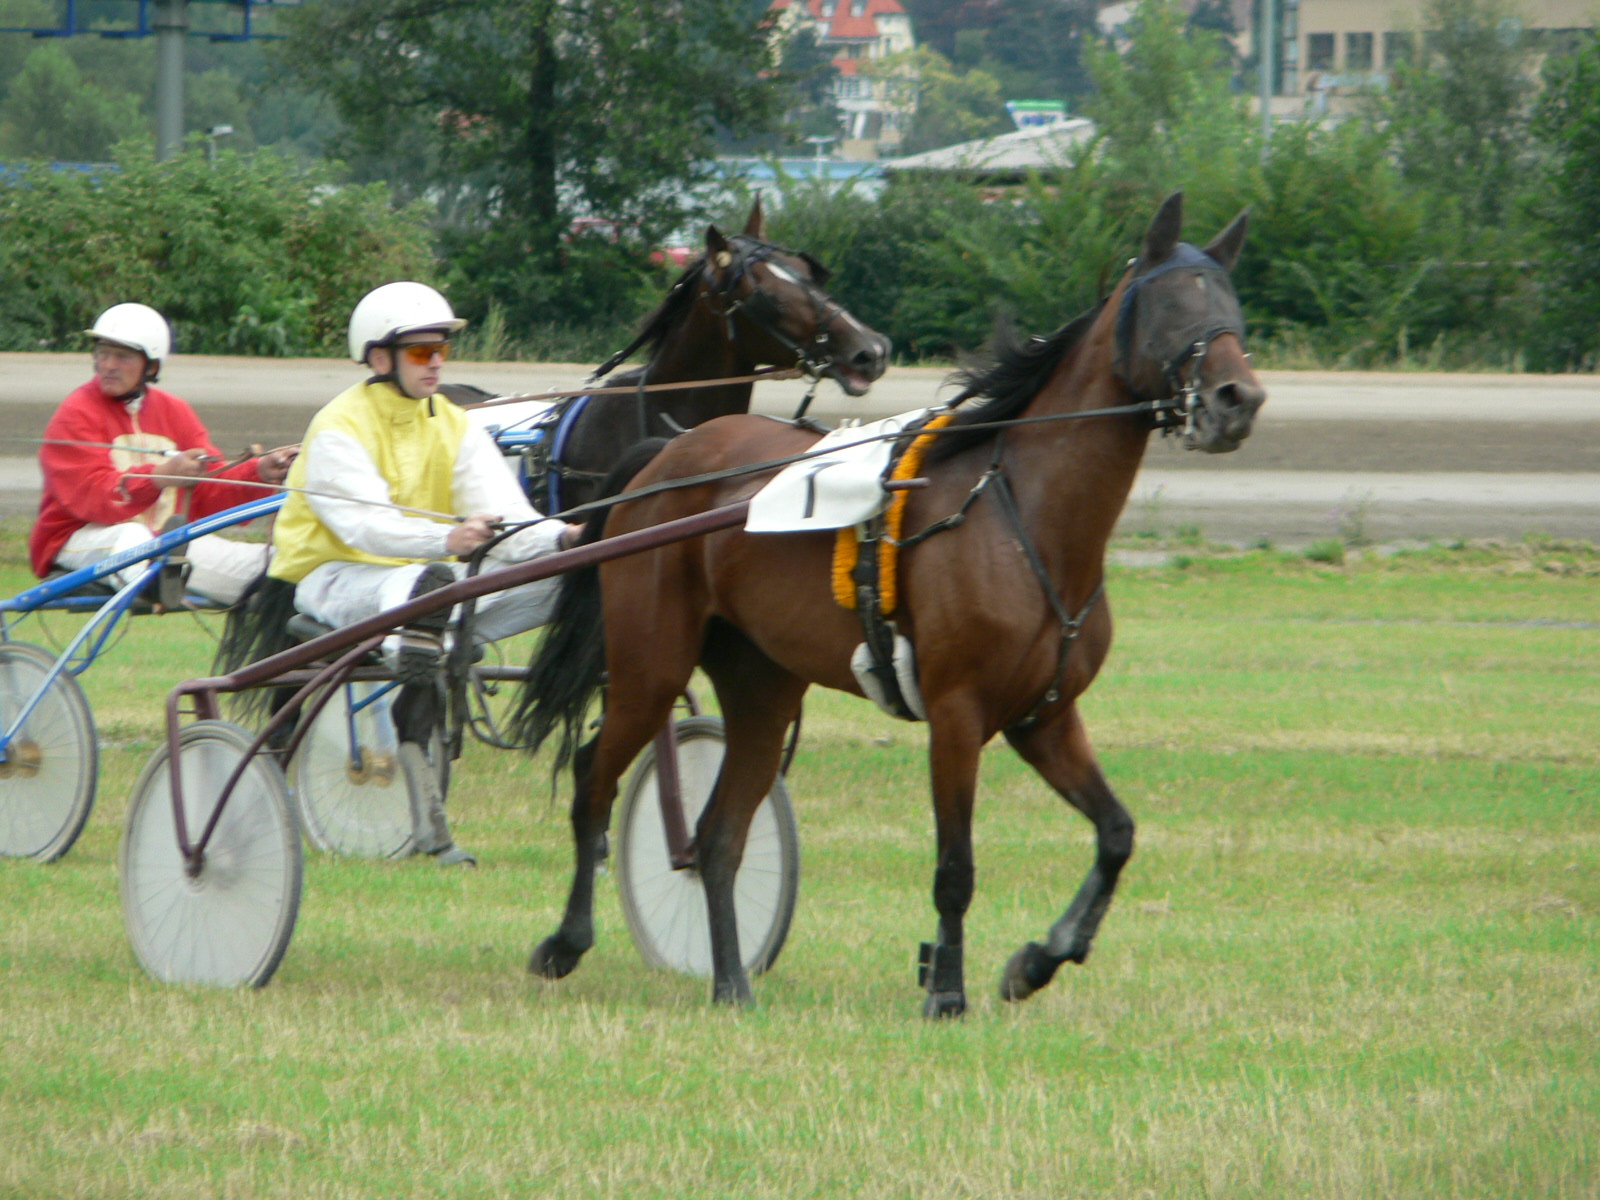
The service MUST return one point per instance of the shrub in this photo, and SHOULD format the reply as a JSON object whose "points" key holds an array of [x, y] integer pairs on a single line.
{"points": [[246, 255]]}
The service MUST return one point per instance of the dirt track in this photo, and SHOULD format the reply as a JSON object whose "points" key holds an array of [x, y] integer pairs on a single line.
{"points": [[1409, 455]]}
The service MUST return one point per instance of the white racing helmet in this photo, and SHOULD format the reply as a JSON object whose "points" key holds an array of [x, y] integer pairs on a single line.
{"points": [[396, 308], [136, 326]]}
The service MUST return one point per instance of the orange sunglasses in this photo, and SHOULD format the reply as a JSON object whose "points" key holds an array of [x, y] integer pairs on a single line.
{"points": [[422, 353]]}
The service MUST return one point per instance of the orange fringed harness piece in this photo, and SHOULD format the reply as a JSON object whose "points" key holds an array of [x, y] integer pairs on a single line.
{"points": [[847, 547]]}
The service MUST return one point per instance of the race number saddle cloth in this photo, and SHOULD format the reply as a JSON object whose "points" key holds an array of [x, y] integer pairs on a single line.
{"points": [[842, 488]]}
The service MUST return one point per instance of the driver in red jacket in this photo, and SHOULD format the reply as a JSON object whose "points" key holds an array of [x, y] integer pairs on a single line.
{"points": [[99, 498]]}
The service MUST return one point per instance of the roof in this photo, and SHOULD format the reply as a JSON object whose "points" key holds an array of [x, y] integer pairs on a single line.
{"points": [[841, 25], [1035, 148]]}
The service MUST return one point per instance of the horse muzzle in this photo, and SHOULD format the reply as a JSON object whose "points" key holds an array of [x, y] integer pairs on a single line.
{"points": [[1222, 416], [856, 366]]}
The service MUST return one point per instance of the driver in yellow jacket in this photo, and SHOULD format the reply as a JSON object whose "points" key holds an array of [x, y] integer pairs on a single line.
{"points": [[351, 553]]}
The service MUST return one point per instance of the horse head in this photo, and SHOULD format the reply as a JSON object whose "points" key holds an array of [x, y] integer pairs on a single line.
{"points": [[1180, 334], [774, 305]]}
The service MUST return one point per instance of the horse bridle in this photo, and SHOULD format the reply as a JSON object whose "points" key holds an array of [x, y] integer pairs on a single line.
{"points": [[759, 308], [1181, 368]]}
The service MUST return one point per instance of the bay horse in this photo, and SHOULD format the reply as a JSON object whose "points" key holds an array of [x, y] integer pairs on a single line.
{"points": [[1004, 607], [742, 304]]}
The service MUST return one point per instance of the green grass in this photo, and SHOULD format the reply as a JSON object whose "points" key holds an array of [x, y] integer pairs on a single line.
{"points": [[1354, 955]]}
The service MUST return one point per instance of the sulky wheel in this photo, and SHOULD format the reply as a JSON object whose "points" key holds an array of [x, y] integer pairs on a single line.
{"points": [[348, 785], [666, 909], [229, 924], [50, 761]]}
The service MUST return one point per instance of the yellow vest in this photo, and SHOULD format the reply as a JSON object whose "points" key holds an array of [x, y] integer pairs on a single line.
{"points": [[413, 443]]}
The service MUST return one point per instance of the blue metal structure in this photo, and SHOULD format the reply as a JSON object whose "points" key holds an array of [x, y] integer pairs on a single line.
{"points": [[141, 23]]}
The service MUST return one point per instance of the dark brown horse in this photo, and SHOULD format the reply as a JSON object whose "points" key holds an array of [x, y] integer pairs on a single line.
{"points": [[744, 303], [1004, 608]]}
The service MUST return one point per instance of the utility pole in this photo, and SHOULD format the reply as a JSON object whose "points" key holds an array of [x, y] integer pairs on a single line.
{"points": [[1266, 56], [171, 27]]}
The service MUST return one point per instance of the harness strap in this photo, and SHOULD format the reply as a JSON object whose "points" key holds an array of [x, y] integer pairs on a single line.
{"points": [[1071, 625]]}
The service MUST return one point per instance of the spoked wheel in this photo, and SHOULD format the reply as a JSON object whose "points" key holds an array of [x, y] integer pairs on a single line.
{"points": [[230, 924], [665, 908], [51, 761], [351, 794]]}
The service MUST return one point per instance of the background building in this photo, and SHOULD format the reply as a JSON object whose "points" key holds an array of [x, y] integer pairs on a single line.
{"points": [[858, 32]]}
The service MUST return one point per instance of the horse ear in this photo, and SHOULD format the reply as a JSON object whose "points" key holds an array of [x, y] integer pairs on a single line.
{"points": [[718, 254], [1226, 245], [1161, 239], [756, 224]]}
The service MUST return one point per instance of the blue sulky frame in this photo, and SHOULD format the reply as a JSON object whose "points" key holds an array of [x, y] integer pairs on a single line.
{"points": [[64, 594]]}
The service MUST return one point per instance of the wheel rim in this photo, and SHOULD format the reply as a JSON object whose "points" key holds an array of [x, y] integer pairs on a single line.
{"points": [[230, 925], [47, 781], [666, 908], [353, 800]]}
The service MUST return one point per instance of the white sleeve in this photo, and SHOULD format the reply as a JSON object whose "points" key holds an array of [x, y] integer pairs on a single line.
{"points": [[340, 469], [483, 483]]}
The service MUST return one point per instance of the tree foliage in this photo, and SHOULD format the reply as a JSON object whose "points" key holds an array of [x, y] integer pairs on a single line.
{"points": [[950, 106], [1567, 124], [523, 114], [52, 112]]}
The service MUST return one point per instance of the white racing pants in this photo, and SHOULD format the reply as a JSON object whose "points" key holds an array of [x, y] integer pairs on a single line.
{"points": [[219, 569], [342, 593]]}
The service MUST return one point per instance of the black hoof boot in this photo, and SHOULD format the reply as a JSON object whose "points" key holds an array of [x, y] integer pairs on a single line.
{"points": [[940, 972], [1029, 970]]}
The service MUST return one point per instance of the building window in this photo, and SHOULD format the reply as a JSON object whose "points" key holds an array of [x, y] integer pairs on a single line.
{"points": [[858, 8], [827, 8], [1319, 51], [1398, 48], [1358, 52]]}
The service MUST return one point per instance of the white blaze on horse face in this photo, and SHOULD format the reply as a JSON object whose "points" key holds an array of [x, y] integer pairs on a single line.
{"points": [[784, 274]]}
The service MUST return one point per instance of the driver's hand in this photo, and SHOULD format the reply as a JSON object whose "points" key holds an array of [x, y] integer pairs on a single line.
{"points": [[188, 464], [273, 466], [466, 537]]}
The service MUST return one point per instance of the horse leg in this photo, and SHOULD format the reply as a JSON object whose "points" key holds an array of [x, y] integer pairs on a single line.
{"points": [[1060, 752], [759, 700], [953, 757], [631, 720]]}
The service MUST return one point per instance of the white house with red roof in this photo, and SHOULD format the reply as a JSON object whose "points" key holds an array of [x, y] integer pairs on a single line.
{"points": [[858, 32]]}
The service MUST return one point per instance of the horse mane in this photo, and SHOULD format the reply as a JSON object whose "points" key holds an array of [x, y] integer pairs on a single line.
{"points": [[668, 315], [1015, 371]]}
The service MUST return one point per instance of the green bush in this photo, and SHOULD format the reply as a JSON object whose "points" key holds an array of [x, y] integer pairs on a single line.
{"points": [[244, 255]]}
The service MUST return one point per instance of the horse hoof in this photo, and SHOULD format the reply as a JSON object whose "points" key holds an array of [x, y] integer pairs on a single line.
{"points": [[730, 996], [553, 959], [941, 1006], [1028, 970]]}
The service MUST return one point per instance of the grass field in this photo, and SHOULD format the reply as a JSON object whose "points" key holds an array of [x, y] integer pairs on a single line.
{"points": [[1356, 954]]}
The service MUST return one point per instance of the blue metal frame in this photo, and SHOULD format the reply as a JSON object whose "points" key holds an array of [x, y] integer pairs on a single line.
{"points": [[70, 26], [56, 595]]}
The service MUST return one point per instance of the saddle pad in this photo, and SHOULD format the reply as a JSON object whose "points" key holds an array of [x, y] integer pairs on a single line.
{"points": [[521, 417], [839, 487]]}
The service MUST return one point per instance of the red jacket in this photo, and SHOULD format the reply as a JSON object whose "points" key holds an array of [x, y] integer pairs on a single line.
{"points": [[86, 485]]}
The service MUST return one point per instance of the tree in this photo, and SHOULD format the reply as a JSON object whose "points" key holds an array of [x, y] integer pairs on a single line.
{"points": [[52, 112], [521, 114], [1167, 115], [1033, 48], [950, 106], [807, 72], [1567, 123], [1458, 110]]}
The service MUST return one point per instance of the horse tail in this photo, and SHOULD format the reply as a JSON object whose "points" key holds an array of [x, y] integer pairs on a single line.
{"points": [[569, 666], [257, 628]]}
